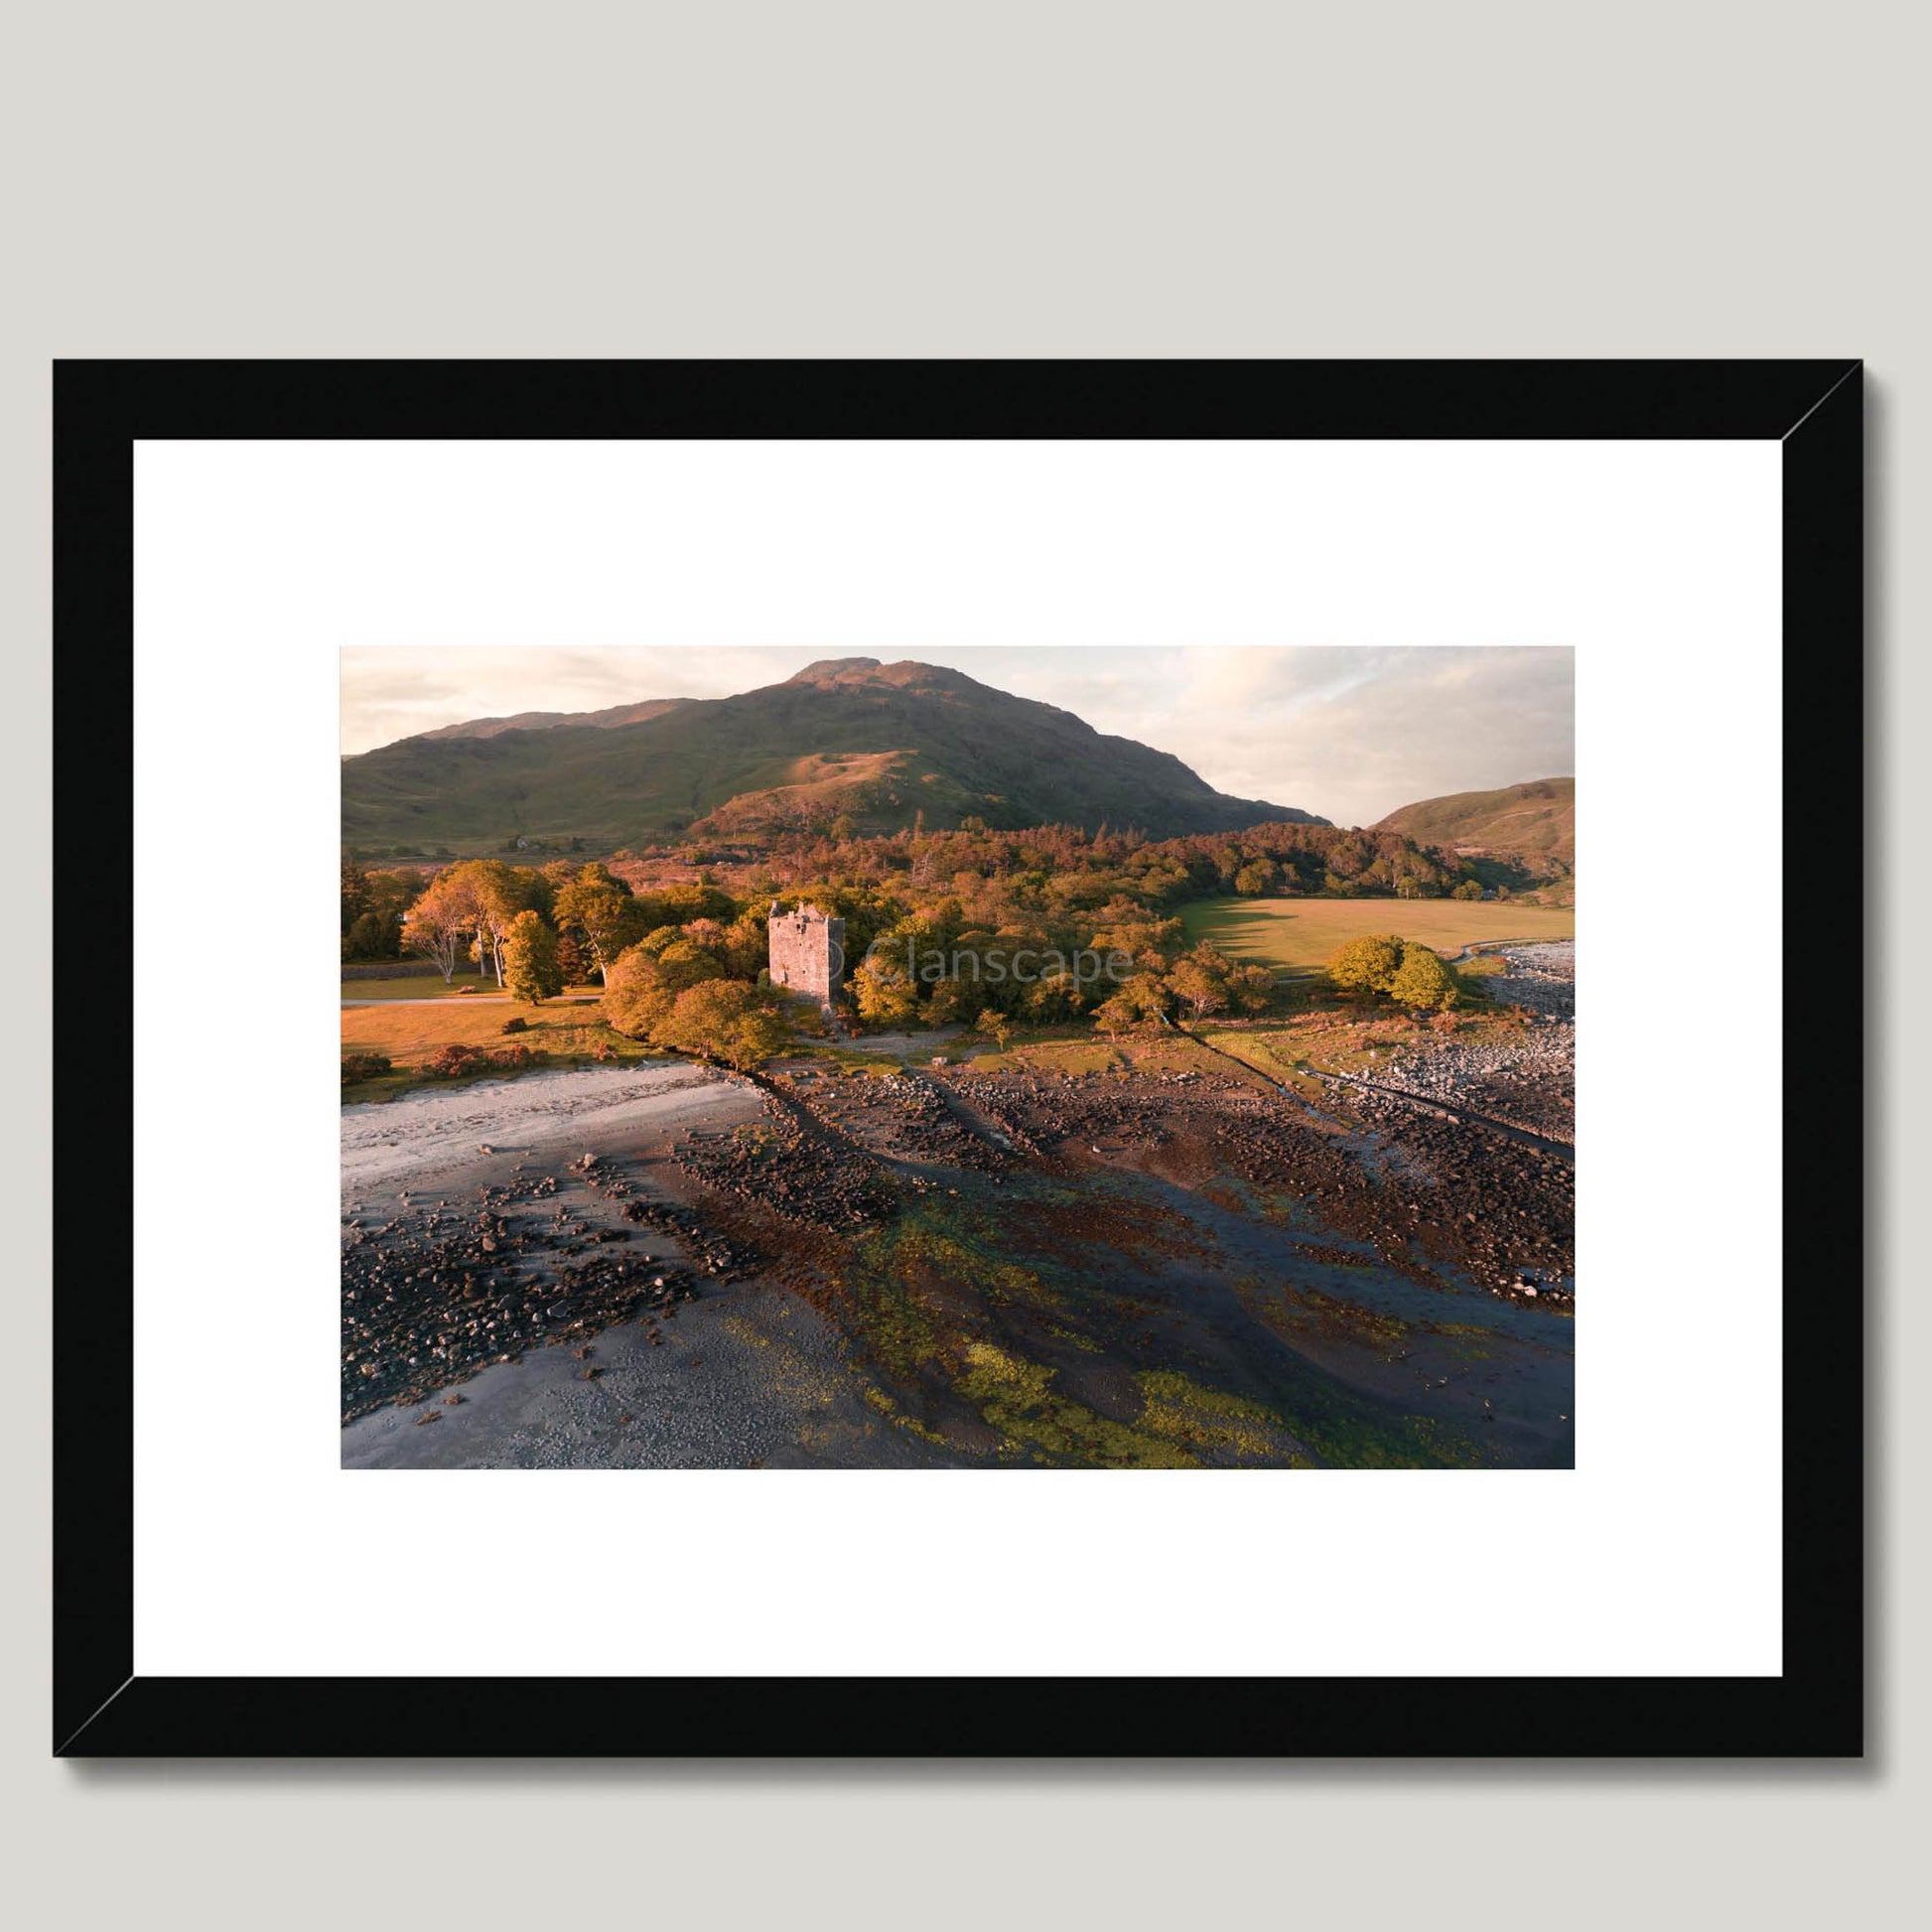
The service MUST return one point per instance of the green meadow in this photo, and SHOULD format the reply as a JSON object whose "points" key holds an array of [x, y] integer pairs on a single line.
{"points": [[1298, 935]]}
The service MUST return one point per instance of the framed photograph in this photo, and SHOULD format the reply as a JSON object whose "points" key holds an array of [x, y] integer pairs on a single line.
{"points": [[1033, 1059]]}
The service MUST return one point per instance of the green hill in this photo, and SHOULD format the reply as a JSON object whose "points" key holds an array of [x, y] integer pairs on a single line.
{"points": [[848, 737], [1533, 821]]}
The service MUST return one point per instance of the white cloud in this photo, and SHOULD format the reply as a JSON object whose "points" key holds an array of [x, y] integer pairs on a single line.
{"points": [[1347, 733]]}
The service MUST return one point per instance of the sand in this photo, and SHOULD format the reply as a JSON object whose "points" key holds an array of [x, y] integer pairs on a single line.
{"points": [[437, 1132]]}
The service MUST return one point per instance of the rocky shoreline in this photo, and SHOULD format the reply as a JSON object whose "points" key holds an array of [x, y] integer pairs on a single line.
{"points": [[1529, 1082], [854, 1246]]}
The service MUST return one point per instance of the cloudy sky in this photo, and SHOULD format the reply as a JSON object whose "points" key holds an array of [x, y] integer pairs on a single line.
{"points": [[1346, 732]]}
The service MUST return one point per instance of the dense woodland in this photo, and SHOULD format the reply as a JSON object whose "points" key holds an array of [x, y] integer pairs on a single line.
{"points": [[934, 923]]}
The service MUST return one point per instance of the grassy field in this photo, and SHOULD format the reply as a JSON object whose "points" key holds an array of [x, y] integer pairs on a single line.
{"points": [[1337, 1046], [428, 986], [1086, 1052], [410, 1036], [1298, 935]]}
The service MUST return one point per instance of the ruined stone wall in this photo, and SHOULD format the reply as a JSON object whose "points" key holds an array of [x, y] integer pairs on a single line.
{"points": [[808, 952]]}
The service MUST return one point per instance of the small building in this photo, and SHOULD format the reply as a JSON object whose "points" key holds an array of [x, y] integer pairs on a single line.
{"points": [[806, 948]]}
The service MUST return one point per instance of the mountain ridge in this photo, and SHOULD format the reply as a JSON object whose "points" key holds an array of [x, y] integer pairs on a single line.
{"points": [[845, 739], [611, 717]]}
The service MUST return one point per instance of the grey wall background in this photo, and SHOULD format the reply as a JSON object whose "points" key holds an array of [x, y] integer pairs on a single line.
{"points": [[893, 179]]}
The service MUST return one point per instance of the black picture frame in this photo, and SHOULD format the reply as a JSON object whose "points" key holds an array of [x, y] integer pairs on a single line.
{"points": [[102, 1708]]}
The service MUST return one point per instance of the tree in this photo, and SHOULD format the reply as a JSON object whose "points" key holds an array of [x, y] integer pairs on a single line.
{"points": [[1138, 1000], [685, 963], [494, 895], [570, 960], [1253, 878], [530, 968], [374, 935], [1471, 888], [1199, 980], [1055, 996], [883, 993], [682, 903], [636, 997], [1150, 942], [355, 894], [745, 946], [950, 999], [760, 1033], [994, 1026], [1425, 981], [372, 907], [1367, 964], [440, 922], [601, 913], [1251, 988], [378, 931], [724, 1019]]}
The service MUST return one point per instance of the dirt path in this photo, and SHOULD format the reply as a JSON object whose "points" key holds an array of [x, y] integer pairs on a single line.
{"points": [[474, 999], [905, 1046]]}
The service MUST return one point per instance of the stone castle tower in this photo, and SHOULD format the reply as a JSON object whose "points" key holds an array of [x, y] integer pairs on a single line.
{"points": [[807, 952]]}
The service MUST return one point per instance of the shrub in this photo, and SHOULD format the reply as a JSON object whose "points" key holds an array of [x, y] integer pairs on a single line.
{"points": [[363, 1066], [994, 1026], [1366, 965], [1252, 988], [454, 1060], [517, 1025], [605, 1051], [516, 1058], [1425, 980], [1411, 975]]}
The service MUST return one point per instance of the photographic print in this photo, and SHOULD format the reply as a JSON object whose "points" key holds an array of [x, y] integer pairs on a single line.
{"points": [[928, 917], [981, 1059]]}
